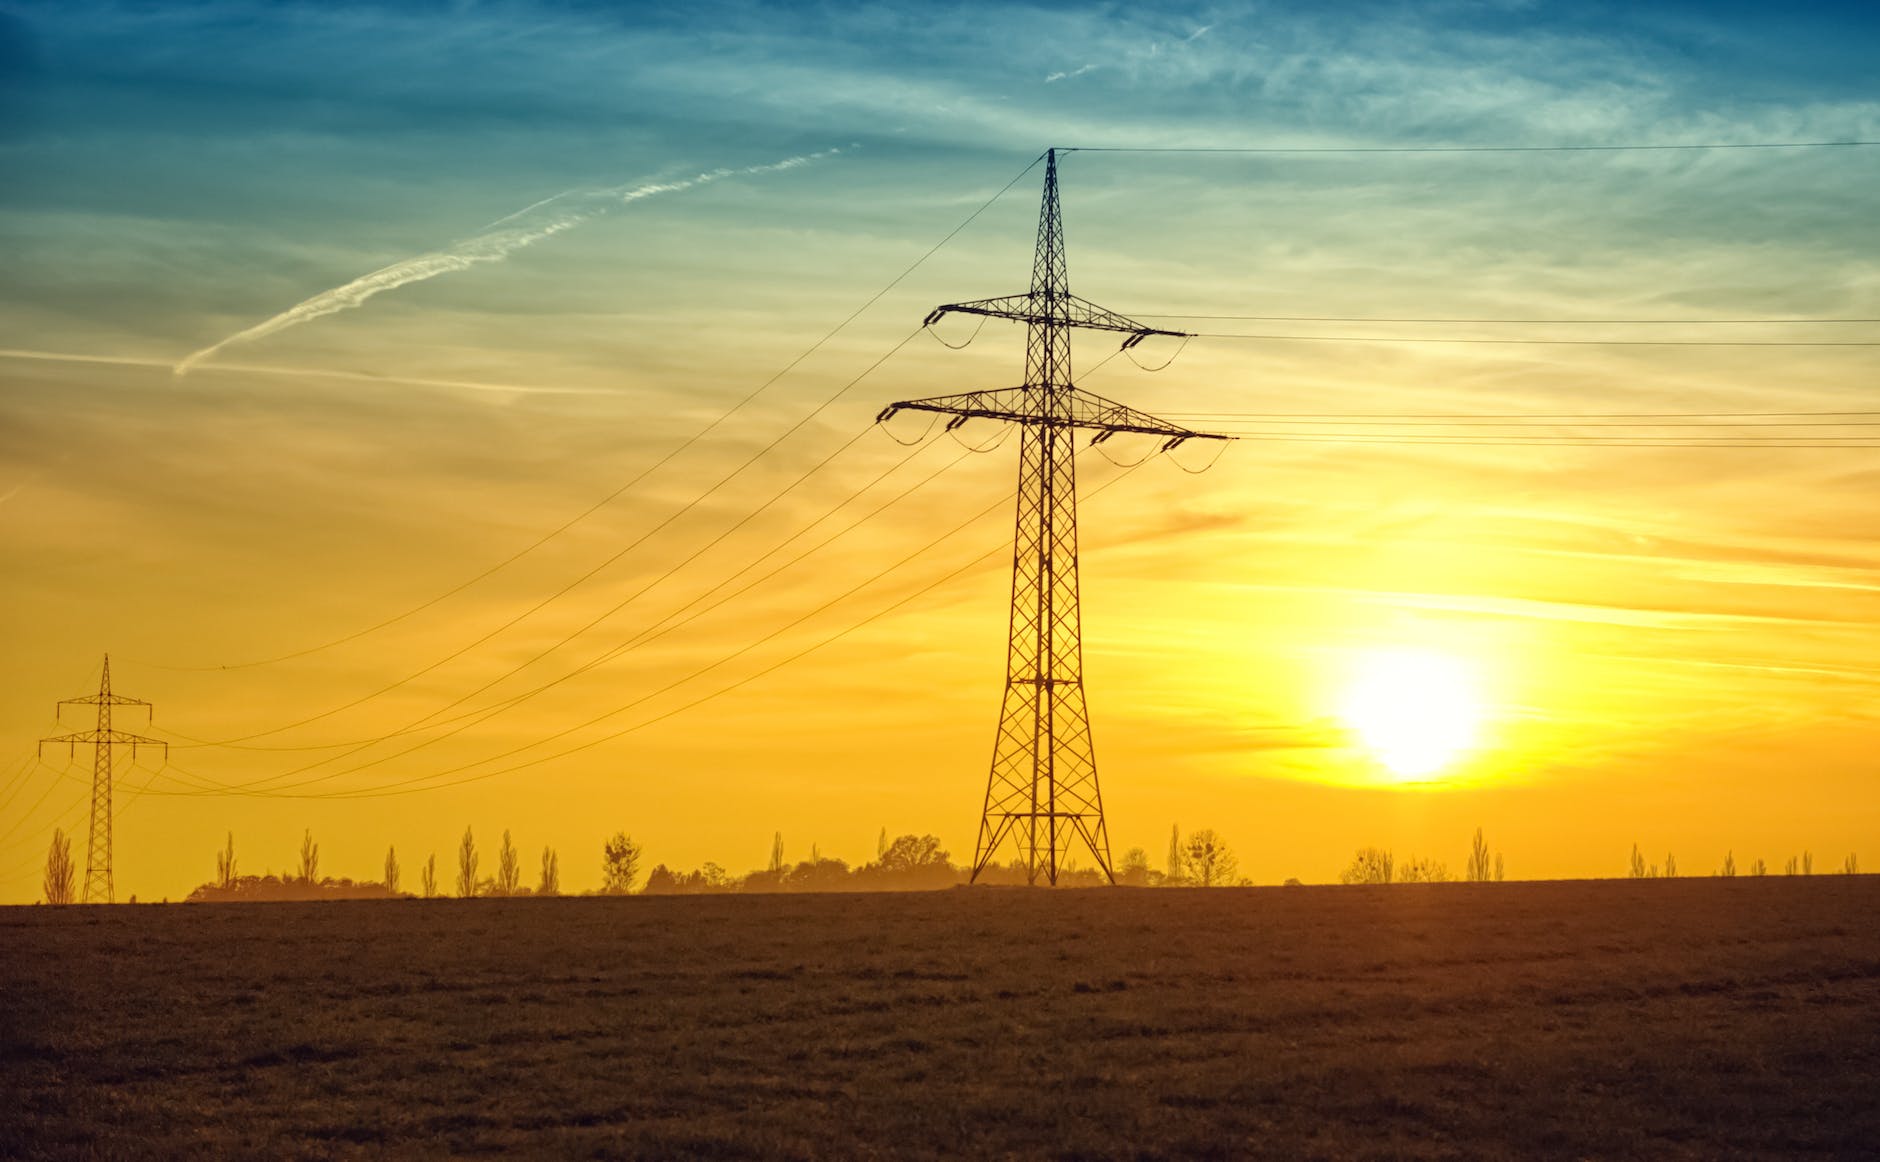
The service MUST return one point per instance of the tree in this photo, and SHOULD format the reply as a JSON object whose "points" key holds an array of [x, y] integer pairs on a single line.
{"points": [[1174, 872], [427, 880], [1134, 870], [508, 868], [467, 860], [776, 855], [550, 884], [659, 881], [1371, 865], [1791, 867], [1759, 868], [1498, 867], [391, 870], [912, 852], [1728, 870], [225, 864], [1207, 860], [1638, 864], [1851, 865], [1671, 866], [620, 865], [1421, 870], [1808, 863], [815, 874], [309, 858], [61, 875], [1478, 869]]}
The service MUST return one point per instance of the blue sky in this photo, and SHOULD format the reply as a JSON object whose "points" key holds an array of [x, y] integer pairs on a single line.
{"points": [[178, 173]]}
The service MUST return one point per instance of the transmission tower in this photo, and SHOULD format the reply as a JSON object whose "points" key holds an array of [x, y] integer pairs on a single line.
{"points": [[1042, 792], [98, 884]]}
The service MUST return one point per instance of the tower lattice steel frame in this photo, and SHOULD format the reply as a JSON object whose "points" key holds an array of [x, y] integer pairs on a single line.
{"points": [[1042, 792], [98, 881]]}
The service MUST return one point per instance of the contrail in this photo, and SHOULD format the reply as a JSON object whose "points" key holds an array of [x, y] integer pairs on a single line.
{"points": [[531, 224]]}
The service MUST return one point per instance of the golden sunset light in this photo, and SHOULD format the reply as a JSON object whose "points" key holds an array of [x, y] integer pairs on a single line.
{"points": [[783, 553]]}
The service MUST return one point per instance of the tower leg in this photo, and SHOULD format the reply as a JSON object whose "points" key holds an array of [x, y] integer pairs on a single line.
{"points": [[1042, 791]]}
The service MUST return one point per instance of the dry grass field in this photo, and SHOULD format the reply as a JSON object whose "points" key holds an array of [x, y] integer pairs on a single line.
{"points": [[1659, 1019]]}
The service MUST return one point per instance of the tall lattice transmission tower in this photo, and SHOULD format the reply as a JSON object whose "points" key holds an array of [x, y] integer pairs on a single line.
{"points": [[98, 884], [1042, 793]]}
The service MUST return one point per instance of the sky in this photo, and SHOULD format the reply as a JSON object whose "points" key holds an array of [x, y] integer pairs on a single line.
{"points": [[315, 315]]}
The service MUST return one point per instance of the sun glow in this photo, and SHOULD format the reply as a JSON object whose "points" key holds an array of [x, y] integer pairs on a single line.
{"points": [[1415, 710]]}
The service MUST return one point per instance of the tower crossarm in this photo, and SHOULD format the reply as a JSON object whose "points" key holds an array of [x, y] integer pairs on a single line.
{"points": [[1064, 310], [1075, 408], [110, 737]]}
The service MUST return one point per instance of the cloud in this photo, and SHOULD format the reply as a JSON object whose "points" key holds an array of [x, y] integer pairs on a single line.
{"points": [[1076, 72], [532, 224]]}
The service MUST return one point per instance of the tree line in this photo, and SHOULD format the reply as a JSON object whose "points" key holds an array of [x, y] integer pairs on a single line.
{"points": [[1202, 858], [1803, 865]]}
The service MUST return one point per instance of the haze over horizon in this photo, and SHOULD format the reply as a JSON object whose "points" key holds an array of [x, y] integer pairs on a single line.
{"points": [[575, 237]]}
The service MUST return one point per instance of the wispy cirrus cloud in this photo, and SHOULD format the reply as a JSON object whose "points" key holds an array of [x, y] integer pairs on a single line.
{"points": [[531, 224]]}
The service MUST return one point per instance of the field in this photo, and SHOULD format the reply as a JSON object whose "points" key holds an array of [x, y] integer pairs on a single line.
{"points": [[1625, 1019]]}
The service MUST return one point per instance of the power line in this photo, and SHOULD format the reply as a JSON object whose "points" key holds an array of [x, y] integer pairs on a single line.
{"points": [[1537, 441], [405, 787], [661, 462], [570, 586], [1542, 342], [1287, 417], [652, 633], [1550, 321], [746, 648], [1671, 425], [484, 714], [1636, 148]]}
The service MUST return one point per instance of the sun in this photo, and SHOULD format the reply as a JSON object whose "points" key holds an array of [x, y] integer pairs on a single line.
{"points": [[1416, 710]]}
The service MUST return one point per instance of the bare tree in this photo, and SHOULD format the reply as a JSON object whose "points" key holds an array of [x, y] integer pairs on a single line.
{"points": [[776, 854], [1478, 869], [309, 858], [1419, 869], [1671, 866], [467, 861], [508, 868], [1791, 867], [1498, 867], [391, 870], [1759, 868], [1728, 870], [551, 874], [1851, 865], [225, 864], [1372, 865], [1174, 872], [427, 879], [1134, 869], [61, 876], [1207, 860], [1637, 868], [620, 865], [1808, 863]]}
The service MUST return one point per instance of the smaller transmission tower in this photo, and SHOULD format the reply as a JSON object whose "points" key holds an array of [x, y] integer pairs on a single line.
{"points": [[98, 884]]}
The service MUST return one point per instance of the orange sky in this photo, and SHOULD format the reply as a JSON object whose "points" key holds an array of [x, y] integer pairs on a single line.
{"points": [[1671, 644]]}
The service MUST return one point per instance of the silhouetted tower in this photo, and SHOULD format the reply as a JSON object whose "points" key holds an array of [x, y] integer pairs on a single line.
{"points": [[98, 885], [1042, 792]]}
